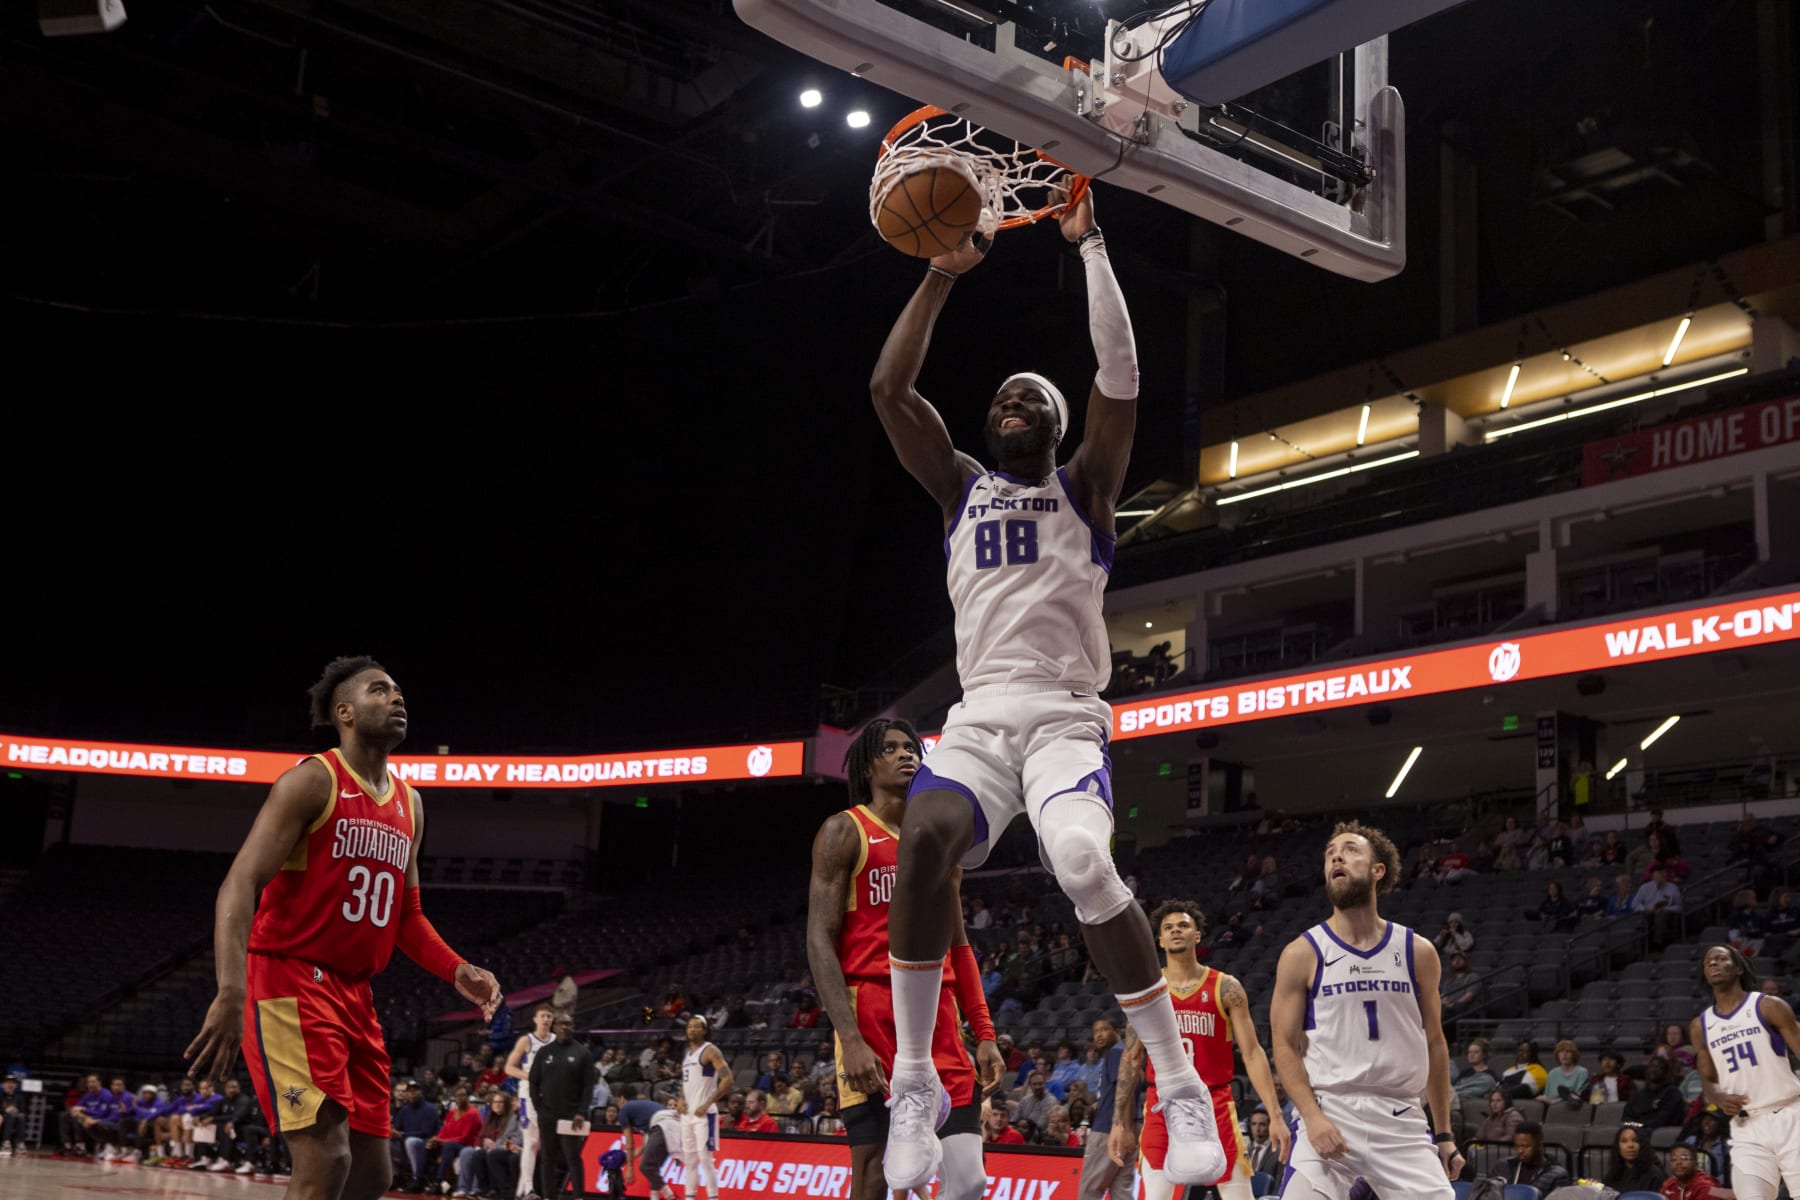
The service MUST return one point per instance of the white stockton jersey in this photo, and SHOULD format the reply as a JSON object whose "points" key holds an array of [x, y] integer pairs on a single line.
{"points": [[697, 1080], [1364, 1031], [1750, 1057], [1027, 572], [533, 1043]]}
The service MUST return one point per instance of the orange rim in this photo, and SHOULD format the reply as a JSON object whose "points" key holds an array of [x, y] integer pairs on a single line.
{"points": [[1078, 183]]}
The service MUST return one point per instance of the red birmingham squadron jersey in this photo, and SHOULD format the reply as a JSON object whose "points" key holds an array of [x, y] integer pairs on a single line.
{"points": [[334, 901], [1205, 1033]]}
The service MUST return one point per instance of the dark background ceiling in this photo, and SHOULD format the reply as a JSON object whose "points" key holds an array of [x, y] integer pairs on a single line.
{"points": [[523, 342]]}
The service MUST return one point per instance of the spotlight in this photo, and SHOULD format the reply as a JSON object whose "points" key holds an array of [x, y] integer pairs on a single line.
{"points": [[811, 98], [856, 118], [1616, 768]]}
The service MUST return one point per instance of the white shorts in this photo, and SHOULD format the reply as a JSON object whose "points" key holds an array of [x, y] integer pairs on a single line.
{"points": [[1012, 747], [1765, 1150], [698, 1135], [1392, 1151]]}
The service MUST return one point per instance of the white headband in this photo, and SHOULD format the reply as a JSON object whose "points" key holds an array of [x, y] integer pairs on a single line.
{"points": [[1056, 397]]}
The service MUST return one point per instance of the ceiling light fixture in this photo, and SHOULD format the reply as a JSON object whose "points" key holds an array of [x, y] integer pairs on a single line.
{"points": [[1231, 468], [1294, 483], [1404, 768], [1362, 426], [1494, 435], [1512, 377], [811, 98], [1616, 768], [856, 118], [1658, 732], [1680, 332]]}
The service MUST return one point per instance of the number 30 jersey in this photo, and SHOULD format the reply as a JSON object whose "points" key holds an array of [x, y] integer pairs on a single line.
{"points": [[1364, 1031], [1027, 571], [336, 900]]}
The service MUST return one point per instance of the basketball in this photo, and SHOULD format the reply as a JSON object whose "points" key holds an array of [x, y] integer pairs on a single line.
{"points": [[928, 212]]}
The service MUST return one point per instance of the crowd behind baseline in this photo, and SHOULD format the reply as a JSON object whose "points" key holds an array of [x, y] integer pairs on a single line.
{"points": [[456, 1128]]}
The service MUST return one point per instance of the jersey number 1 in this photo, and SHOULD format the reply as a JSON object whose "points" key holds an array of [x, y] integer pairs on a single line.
{"points": [[1020, 544], [1374, 1020], [373, 896]]}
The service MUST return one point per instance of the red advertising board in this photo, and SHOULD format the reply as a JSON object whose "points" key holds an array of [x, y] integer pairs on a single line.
{"points": [[1752, 621], [769, 760], [1697, 439], [756, 1165]]}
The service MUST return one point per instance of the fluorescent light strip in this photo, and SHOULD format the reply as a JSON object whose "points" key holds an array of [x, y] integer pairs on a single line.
{"points": [[1231, 471], [1496, 434], [1294, 483], [1680, 332], [1658, 732], [1616, 768], [1134, 512], [1512, 378], [1404, 768], [1362, 426]]}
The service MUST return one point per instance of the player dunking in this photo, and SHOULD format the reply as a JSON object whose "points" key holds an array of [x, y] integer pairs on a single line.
{"points": [[1213, 1013], [518, 1066], [1741, 1047], [847, 948], [333, 856], [1358, 1035], [1029, 548], [705, 1076]]}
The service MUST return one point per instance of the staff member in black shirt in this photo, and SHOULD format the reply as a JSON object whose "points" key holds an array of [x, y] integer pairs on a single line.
{"points": [[562, 1078]]}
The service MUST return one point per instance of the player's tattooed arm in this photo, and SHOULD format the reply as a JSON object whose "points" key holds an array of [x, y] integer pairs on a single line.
{"points": [[833, 858], [1121, 1143], [723, 1081], [1236, 1004]]}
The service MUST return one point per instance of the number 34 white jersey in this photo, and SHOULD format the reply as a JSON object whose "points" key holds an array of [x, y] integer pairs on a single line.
{"points": [[1364, 1030], [1750, 1057], [1027, 571]]}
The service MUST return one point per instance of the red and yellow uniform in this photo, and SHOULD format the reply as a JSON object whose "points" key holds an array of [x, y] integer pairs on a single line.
{"points": [[862, 949], [1206, 1032], [327, 922]]}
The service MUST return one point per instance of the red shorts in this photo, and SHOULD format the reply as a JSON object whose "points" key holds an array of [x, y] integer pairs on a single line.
{"points": [[873, 1002], [1154, 1144], [310, 1033]]}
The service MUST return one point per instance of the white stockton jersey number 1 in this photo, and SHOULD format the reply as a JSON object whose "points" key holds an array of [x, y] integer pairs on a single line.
{"points": [[1364, 1030]]}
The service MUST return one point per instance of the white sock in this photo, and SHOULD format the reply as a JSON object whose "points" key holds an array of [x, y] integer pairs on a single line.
{"points": [[916, 988], [1152, 1014]]}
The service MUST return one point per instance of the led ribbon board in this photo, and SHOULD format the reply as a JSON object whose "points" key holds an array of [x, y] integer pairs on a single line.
{"points": [[1753, 621], [706, 764]]}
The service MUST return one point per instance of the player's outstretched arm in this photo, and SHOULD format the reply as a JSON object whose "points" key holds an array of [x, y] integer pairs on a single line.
{"points": [[295, 802], [418, 939], [1287, 1037], [1428, 972], [1121, 1143], [1097, 470], [1236, 1004], [912, 424], [833, 858]]}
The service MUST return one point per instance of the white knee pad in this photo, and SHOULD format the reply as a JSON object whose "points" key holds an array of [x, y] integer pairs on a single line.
{"points": [[1075, 835]]}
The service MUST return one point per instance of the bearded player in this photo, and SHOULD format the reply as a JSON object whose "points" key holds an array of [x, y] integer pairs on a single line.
{"points": [[1213, 1013], [1358, 1036], [328, 855], [1030, 546], [847, 948], [1741, 1047]]}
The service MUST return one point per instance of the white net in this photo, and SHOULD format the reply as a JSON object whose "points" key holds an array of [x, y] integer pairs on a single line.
{"points": [[1018, 184]]}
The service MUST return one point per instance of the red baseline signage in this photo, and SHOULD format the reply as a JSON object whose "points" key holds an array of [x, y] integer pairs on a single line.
{"points": [[819, 1168], [1753, 621], [1715, 435], [768, 760]]}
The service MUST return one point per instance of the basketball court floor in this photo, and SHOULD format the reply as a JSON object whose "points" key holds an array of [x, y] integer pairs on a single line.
{"points": [[39, 1177]]}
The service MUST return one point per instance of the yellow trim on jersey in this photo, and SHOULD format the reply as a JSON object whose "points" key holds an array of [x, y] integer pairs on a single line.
{"points": [[862, 860], [878, 821], [293, 1094], [1175, 990], [296, 859], [847, 1095], [380, 798]]}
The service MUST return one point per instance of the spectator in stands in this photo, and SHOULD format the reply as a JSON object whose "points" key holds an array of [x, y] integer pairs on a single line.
{"points": [[756, 1118], [1525, 1078], [1010, 1054], [1611, 1084], [1783, 923], [806, 1016], [1267, 887], [1632, 1167], [1512, 835], [1501, 1120], [1453, 867], [1528, 1166], [1593, 854], [601, 1097], [783, 1100], [1458, 988], [461, 1128], [1455, 937], [979, 916], [1660, 900], [673, 1005], [563, 999], [1475, 1078], [1066, 1070], [12, 1120], [1712, 1137], [1559, 850], [1592, 906], [1747, 925], [1614, 852], [824, 1068], [739, 1016], [1658, 1102], [1686, 1181], [1655, 853], [1261, 1154], [414, 1123], [1035, 1105], [1663, 830], [433, 1087], [1423, 867], [474, 1175], [1751, 846], [775, 1064], [491, 1071], [1092, 1074], [1057, 1130], [1619, 903], [1568, 1079], [734, 1107], [1247, 876], [1508, 858], [1482, 861], [1557, 912], [828, 1121], [994, 1127]]}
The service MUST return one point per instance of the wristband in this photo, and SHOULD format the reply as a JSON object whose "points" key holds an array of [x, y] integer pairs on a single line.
{"points": [[1092, 235], [1441, 1138], [950, 275]]}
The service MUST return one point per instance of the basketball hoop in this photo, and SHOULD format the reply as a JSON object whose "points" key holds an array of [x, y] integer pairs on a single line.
{"points": [[1018, 185]]}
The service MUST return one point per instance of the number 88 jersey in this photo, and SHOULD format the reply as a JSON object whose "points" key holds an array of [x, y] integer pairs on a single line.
{"points": [[336, 900], [1027, 571]]}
